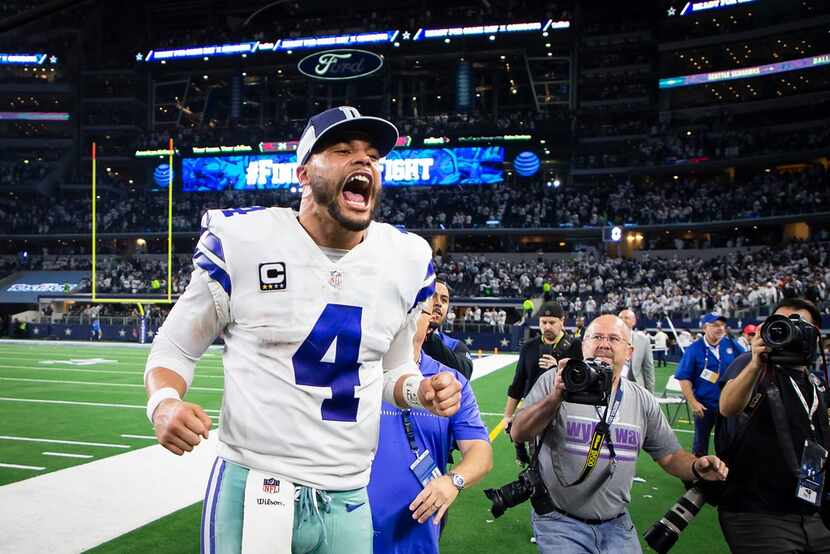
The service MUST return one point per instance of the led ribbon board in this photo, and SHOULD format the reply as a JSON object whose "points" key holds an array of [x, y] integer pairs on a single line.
{"points": [[236, 49], [245, 48], [34, 116], [692, 8], [478, 30], [745, 72], [405, 167], [354, 39], [22, 59]]}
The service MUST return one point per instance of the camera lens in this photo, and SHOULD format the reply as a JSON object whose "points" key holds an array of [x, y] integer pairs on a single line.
{"points": [[578, 376], [779, 333]]}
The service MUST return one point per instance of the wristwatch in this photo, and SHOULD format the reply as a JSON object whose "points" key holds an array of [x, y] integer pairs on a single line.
{"points": [[457, 480]]}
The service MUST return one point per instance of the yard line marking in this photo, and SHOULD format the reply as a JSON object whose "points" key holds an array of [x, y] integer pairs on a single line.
{"points": [[67, 455], [79, 403], [16, 466], [493, 414], [95, 383], [58, 441], [148, 437], [94, 492], [494, 434], [40, 354], [107, 371]]}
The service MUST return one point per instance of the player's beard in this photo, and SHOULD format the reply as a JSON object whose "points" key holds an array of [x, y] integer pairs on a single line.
{"points": [[328, 196]]}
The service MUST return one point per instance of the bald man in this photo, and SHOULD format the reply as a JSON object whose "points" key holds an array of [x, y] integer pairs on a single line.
{"points": [[591, 516], [641, 366]]}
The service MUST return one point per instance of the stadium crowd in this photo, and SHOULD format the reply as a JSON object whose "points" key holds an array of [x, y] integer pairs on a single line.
{"points": [[639, 200], [585, 283], [590, 283], [673, 146]]}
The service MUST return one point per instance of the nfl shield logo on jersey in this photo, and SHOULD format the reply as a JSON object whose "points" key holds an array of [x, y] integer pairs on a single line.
{"points": [[270, 485], [335, 279]]}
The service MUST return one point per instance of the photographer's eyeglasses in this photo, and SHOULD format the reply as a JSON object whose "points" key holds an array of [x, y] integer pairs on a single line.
{"points": [[613, 340]]}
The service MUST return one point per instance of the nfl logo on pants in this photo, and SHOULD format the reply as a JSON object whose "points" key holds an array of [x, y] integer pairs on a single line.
{"points": [[270, 485]]}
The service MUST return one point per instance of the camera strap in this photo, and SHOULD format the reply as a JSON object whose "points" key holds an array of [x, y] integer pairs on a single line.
{"points": [[779, 420], [601, 435], [811, 411]]}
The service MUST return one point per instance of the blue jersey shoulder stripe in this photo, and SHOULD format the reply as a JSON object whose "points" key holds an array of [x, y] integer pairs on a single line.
{"points": [[213, 244], [214, 271], [428, 288]]}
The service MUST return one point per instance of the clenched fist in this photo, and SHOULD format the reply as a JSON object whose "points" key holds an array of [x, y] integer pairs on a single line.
{"points": [[441, 394], [180, 425]]}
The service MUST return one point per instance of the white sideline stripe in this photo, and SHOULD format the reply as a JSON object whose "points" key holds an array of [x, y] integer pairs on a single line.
{"points": [[489, 364], [78, 508], [67, 455], [86, 344], [148, 437], [210, 363], [107, 371], [95, 383], [96, 492], [58, 441], [79, 403], [16, 466]]}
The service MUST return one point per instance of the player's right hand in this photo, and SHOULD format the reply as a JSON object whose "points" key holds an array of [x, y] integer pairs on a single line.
{"points": [[180, 425]]}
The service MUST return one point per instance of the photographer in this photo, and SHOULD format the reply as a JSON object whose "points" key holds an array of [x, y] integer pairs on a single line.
{"points": [[541, 353], [770, 409], [589, 511]]}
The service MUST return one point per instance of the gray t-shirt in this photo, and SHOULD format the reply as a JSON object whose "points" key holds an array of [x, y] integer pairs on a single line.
{"points": [[640, 424]]}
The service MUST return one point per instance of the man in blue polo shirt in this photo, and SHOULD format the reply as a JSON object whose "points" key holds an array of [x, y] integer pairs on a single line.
{"points": [[401, 505], [702, 364]]}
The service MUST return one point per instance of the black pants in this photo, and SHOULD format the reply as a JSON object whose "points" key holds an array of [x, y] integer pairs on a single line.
{"points": [[750, 533]]}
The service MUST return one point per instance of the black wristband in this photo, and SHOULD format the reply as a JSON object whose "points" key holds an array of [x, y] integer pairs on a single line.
{"points": [[697, 475]]}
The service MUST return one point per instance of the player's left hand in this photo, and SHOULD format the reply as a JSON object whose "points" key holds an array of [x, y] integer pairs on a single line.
{"points": [[435, 499], [711, 468], [441, 394]]}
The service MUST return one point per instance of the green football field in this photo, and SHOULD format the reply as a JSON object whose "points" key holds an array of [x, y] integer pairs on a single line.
{"points": [[61, 399]]}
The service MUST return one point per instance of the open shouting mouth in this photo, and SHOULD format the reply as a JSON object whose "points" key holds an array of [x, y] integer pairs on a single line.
{"points": [[357, 190]]}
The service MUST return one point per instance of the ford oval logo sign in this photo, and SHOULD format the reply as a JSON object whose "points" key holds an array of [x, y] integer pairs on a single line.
{"points": [[334, 65]]}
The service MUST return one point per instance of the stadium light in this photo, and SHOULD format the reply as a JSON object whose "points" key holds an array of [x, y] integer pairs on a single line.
{"points": [[556, 183]]}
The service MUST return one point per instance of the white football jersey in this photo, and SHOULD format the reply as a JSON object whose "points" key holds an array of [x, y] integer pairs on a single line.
{"points": [[305, 337]]}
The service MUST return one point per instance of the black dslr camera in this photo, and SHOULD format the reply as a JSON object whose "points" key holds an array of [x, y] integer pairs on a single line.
{"points": [[792, 341], [528, 485], [587, 382]]}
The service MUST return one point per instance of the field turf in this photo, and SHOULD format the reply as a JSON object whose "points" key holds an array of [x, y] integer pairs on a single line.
{"points": [[94, 394]]}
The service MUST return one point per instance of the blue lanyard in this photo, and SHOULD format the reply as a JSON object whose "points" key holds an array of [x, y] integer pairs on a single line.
{"points": [[410, 434]]}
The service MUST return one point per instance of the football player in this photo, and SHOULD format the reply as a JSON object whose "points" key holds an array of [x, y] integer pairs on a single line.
{"points": [[318, 310]]}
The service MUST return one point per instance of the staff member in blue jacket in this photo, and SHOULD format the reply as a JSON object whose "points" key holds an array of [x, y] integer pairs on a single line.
{"points": [[410, 483], [698, 372]]}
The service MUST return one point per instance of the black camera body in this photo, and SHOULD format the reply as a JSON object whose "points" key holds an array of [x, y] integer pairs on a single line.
{"points": [[792, 341], [528, 485], [588, 382]]}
